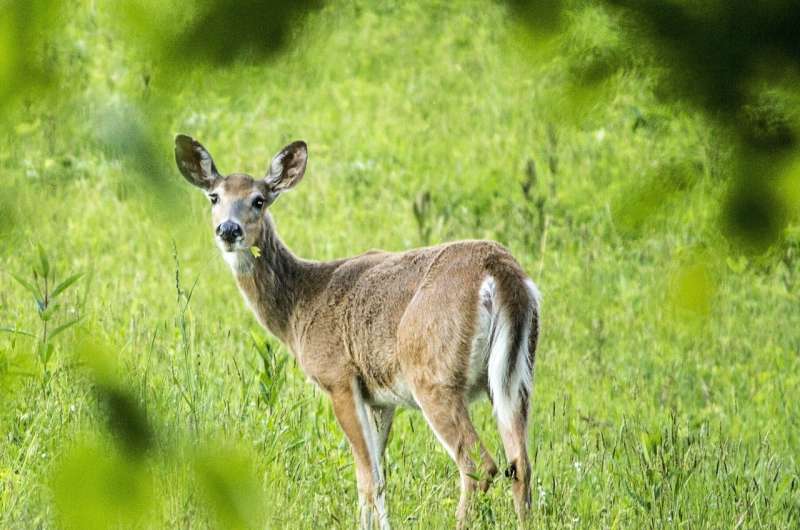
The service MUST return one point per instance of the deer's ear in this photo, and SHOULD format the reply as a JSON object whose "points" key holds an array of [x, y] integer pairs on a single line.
{"points": [[287, 168], [195, 163]]}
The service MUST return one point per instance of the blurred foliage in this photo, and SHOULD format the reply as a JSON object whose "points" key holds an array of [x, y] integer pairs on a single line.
{"points": [[738, 62], [226, 30], [100, 481], [126, 420], [693, 288], [230, 488], [96, 488], [103, 481], [26, 47], [668, 367]]}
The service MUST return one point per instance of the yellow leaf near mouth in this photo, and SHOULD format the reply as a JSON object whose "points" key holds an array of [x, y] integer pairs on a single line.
{"points": [[255, 251]]}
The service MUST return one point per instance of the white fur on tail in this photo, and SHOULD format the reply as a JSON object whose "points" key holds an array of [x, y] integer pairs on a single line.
{"points": [[506, 390]]}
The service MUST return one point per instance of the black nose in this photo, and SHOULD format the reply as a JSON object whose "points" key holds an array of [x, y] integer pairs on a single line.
{"points": [[229, 231]]}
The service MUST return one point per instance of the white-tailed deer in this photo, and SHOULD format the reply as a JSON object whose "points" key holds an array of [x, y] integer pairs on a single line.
{"points": [[430, 328]]}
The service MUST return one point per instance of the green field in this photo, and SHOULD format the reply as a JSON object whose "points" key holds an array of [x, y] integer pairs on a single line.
{"points": [[668, 374]]}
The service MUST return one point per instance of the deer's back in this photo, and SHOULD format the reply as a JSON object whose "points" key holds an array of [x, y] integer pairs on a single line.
{"points": [[369, 297]]}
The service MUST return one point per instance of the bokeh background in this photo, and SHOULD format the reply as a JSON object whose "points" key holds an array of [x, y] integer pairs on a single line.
{"points": [[639, 158]]}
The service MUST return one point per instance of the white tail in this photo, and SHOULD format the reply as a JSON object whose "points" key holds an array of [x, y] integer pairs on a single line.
{"points": [[510, 385]]}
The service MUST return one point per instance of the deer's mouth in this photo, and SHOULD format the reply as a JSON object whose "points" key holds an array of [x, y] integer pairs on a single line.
{"points": [[231, 246]]}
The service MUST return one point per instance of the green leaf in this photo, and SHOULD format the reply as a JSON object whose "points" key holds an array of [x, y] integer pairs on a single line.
{"points": [[48, 352], [17, 331], [44, 350], [29, 286], [64, 327], [256, 252], [45, 263], [63, 286]]}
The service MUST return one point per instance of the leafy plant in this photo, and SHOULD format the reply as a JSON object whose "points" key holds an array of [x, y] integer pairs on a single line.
{"points": [[272, 376], [47, 295]]}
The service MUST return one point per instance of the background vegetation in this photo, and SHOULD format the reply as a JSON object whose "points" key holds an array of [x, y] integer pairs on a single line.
{"points": [[138, 391]]}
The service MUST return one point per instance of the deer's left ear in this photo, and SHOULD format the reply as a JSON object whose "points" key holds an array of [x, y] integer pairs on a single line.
{"points": [[287, 168]]}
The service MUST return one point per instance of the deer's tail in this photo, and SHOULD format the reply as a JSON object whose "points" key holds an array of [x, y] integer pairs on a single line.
{"points": [[513, 345]]}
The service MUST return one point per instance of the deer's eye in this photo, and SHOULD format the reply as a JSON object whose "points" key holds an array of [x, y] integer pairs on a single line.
{"points": [[214, 198], [258, 203]]}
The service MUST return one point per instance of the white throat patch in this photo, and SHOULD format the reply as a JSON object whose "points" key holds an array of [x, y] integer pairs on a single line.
{"points": [[240, 261]]}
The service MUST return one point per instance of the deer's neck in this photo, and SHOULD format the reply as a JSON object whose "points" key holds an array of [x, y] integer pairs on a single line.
{"points": [[273, 281]]}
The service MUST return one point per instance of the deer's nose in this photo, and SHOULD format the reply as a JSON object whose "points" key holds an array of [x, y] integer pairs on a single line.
{"points": [[229, 231]]}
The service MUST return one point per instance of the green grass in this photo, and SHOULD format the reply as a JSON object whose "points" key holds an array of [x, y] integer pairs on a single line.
{"points": [[669, 367]]}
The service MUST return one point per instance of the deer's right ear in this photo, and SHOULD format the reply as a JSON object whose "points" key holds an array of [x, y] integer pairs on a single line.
{"points": [[195, 163]]}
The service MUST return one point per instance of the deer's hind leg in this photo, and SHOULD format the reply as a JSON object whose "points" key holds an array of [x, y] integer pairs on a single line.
{"points": [[359, 425], [434, 347], [448, 416], [515, 438]]}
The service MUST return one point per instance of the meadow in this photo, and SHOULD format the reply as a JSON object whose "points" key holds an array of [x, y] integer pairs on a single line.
{"points": [[667, 377]]}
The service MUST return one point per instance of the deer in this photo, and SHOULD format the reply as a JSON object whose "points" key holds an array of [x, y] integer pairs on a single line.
{"points": [[430, 328]]}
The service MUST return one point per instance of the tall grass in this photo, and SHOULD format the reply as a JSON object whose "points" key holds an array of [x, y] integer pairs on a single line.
{"points": [[666, 381]]}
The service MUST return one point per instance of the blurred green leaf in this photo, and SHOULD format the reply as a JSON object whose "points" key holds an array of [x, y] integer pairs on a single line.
{"points": [[96, 488], [25, 25], [225, 30], [230, 488], [544, 17], [693, 289], [127, 420], [755, 213]]}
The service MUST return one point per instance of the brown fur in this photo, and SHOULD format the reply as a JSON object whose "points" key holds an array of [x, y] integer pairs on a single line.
{"points": [[382, 318]]}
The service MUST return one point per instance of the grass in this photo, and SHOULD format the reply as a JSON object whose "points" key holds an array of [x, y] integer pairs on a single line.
{"points": [[669, 365]]}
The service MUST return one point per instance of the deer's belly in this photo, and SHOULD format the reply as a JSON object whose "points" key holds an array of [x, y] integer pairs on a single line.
{"points": [[398, 394]]}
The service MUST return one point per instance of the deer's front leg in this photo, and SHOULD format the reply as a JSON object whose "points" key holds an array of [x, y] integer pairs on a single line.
{"points": [[356, 422]]}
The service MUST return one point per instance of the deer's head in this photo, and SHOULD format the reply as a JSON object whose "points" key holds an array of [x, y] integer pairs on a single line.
{"points": [[239, 202]]}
